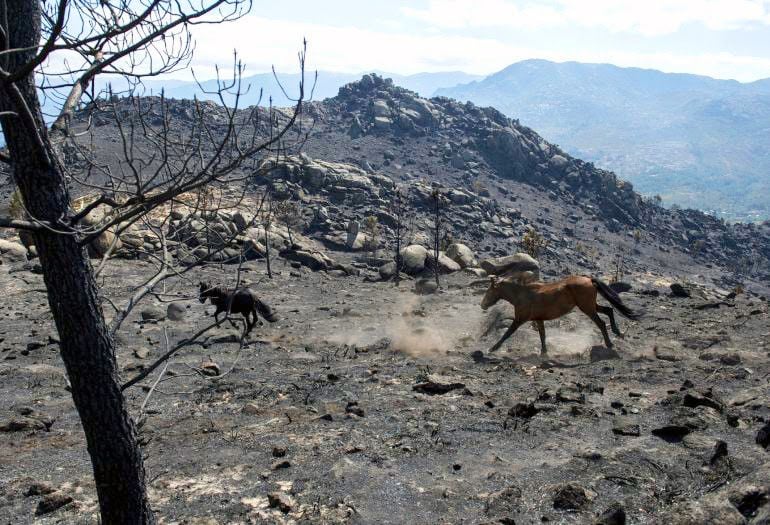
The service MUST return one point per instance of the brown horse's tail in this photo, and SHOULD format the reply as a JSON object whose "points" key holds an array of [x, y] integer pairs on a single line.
{"points": [[614, 299], [265, 310]]}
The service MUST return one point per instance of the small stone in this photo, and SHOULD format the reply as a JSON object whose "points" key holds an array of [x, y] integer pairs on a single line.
{"points": [[52, 502], [210, 369], [151, 313], [353, 408], [678, 290], [141, 353], [251, 409], [733, 359], [571, 496], [176, 311], [278, 465], [624, 426], [39, 488], [279, 452], [614, 515], [281, 501]]}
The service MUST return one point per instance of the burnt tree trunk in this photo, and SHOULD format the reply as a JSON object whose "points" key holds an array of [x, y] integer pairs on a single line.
{"points": [[87, 349]]}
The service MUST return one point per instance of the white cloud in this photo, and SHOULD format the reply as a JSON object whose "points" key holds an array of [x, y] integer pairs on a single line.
{"points": [[645, 17], [263, 42]]}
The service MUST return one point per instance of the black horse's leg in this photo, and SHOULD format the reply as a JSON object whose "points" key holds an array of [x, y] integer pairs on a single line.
{"points": [[603, 327], [508, 333], [249, 322], [541, 329], [606, 310]]}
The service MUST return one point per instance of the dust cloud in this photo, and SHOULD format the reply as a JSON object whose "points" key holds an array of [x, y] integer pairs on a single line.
{"points": [[417, 325]]}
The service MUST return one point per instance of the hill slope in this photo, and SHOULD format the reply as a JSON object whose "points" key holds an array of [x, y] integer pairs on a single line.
{"points": [[696, 141]]}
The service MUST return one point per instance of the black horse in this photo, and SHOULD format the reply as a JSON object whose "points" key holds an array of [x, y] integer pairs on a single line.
{"points": [[241, 301]]}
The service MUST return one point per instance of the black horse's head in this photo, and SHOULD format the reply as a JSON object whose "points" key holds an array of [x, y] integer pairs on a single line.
{"points": [[205, 292]]}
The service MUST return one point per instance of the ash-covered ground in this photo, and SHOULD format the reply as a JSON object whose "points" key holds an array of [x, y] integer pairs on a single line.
{"points": [[363, 404]]}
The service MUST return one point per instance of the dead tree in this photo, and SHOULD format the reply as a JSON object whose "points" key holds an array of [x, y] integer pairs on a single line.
{"points": [[114, 39], [288, 213], [403, 219], [438, 203]]}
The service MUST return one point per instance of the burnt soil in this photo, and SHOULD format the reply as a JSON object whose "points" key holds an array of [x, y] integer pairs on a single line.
{"points": [[320, 410]]}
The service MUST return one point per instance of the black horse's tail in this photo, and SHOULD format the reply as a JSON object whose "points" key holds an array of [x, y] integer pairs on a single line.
{"points": [[265, 310], [614, 299]]}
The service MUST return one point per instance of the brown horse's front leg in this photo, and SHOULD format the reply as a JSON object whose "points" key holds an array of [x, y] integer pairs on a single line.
{"points": [[541, 330], [508, 333]]}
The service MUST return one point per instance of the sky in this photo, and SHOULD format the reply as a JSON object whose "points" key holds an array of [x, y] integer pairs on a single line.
{"points": [[717, 38]]}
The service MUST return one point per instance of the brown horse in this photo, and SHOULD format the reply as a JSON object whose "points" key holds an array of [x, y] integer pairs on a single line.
{"points": [[241, 301], [536, 301]]}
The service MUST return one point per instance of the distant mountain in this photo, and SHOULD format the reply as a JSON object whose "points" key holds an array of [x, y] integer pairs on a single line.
{"points": [[696, 141], [325, 86]]}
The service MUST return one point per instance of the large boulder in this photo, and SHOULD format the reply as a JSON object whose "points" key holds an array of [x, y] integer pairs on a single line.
{"points": [[12, 252], [413, 259], [462, 255], [511, 265], [445, 264]]}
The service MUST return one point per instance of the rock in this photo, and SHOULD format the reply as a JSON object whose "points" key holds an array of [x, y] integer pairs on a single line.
{"points": [[571, 496], [281, 501], [763, 436], [141, 353], [387, 270], [750, 498], [732, 359], [615, 514], [462, 255], [52, 502], [425, 286], [602, 353], [671, 355], [512, 265], [624, 426], [445, 264], [151, 313], [433, 386], [413, 259], [251, 409], [503, 503], [13, 252], [240, 221], [27, 420], [678, 290], [315, 261], [704, 513], [680, 424], [39, 488], [176, 311], [279, 452], [694, 399], [620, 287], [279, 465], [210, 369]]}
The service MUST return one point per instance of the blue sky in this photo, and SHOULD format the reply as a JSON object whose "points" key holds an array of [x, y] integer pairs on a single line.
{"points": [[719, 38]]}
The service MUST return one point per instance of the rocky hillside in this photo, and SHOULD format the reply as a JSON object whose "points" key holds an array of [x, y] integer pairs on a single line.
{"points": [[501, 180]]}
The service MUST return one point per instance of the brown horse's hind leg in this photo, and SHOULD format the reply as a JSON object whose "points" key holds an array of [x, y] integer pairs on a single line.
{"points": [[508, 333], [603, 327], [606, 310], [541, 329]]}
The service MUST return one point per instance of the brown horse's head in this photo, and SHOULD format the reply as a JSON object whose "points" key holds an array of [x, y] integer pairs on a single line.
{"points": [[493, 293]]}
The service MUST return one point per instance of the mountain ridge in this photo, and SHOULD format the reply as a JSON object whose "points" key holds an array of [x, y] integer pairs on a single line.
{"points": [[695, 140]]}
